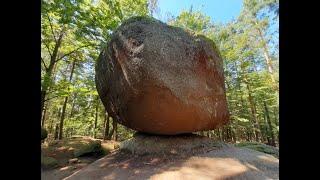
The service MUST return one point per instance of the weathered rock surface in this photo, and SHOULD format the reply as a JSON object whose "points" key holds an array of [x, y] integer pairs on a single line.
{"points": [[143, 144], [159, 79], [210, 161]]}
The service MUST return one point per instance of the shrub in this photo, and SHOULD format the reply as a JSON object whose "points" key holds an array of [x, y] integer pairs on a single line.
{"points": [[260, 147], [48, 162], [44, 134]]}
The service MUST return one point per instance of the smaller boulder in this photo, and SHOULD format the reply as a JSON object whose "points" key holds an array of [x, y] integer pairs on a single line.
{"points": [[74, 160], [48, 162]]}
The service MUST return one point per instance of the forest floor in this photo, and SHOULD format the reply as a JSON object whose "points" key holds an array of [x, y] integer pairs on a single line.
{"points": [[62, 158], [225, 163], [198, 159], [208, 161]]}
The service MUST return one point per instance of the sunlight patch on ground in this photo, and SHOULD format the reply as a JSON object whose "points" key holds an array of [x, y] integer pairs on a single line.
{"points": [[268, 159], [204, 168]]}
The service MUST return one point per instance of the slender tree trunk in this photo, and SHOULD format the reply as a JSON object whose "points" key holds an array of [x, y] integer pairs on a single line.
{"points": [[268, 60], [266, 53], [62, 117], [51, 126], [248, 135], [234, 137], [253, 113], [44, 115], [220, 134], [73, 104], [275, 116], [224, 133], [276, 121], [217, 131], [96, 118], [227, 134], [266, 129], [112, 130], [212, 134], [115, 132], [106, 126], [202, 133], [56, 134], [43, 96], [65, 103], [48, 75], [269, 123]]}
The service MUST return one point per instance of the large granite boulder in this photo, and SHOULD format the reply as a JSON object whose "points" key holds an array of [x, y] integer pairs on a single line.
{"points": [[160, 79]]}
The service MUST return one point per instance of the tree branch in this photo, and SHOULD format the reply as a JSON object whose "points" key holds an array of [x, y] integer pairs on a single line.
{"points": [[44, 64], [67, 54], [47, 48], [51, 98], [54, 36]]}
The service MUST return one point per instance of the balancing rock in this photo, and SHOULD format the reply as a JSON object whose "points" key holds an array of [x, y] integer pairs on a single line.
{"points": [[159, 79]]}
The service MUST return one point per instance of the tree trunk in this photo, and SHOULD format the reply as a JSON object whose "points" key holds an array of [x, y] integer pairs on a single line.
{"points": [[56, 134], [50, 126], [202, 133], [248, 135], [224, 133], [253, 113], [266, 54], [44, 115], [269, 123], [266, 129], [219, 134], [48, 75], [234, 136], [43, 96], [62, 117], [65, 103], [275, 116], [106, 126], [212, 134], [112, 130], [96, 118], [276, 121], [72, 106], [115, 132]]}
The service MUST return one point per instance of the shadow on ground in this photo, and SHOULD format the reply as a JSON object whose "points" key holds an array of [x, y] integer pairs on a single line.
{"points": [[225, 162]]}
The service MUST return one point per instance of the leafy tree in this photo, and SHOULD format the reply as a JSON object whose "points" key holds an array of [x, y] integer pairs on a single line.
{"points": [[72, 34]]}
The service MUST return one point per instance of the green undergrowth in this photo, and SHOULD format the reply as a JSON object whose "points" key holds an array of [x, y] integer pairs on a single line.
{"points": [[259, 147], [58, 152], [48, 162]]}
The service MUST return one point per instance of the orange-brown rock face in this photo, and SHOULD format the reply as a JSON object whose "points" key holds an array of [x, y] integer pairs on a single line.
{"points": [[158, 79]]}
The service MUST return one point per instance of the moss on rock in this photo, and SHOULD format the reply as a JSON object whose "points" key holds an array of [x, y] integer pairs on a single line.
{"points": [[48, 162], [143, 144], [86, 147], [259, 147]]}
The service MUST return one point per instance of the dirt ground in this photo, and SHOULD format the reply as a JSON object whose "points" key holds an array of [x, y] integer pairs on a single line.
{"points": [[63, 154], [227, 162], [166, 157], [66, 170]]}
